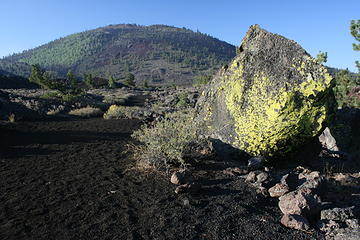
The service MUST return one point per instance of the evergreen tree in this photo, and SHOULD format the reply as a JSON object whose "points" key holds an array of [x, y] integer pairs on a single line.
{"points": [[321, 57], [40, 77], [355, 32], [130, 80], [146, 83], [88, 79], [71, 79], [111, 82]]}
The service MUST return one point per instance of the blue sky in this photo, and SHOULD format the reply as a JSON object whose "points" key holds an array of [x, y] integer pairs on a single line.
{"points": [[315, 24]]}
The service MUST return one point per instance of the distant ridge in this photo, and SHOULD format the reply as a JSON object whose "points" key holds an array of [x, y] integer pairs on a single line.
{"points": [[158, 53]]}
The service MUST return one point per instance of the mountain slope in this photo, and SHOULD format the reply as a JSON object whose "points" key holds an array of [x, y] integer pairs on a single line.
{"points": [[157, 53]]}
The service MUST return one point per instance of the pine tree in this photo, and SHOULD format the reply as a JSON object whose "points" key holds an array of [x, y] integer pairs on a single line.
{"points": [[355, 32], [111, 82], [130, 80], [321, 57]]}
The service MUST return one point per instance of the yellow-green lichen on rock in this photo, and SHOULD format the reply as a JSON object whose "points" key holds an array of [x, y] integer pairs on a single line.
{"points": [[271, 98]]}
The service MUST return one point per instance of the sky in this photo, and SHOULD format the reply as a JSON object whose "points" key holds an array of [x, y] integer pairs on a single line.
{"points": [[317, 25]]}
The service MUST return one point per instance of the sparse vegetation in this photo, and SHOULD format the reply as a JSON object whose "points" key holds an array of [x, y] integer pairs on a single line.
{"points": [[321, 57], [86, 112], [111, 82], [167, 140], [202, 80], [118, 112], [130, 80]]}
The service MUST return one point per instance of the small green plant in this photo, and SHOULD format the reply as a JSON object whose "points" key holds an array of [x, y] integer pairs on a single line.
{"points": [[12, 117], [130, 80], [202, 80], [118, 112], [111, 82], [167, 141], [183, 100], [321, 57]]}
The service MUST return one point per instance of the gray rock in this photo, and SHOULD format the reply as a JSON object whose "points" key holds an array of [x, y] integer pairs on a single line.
{"points": [[262, 177], [315, 185], [300, 202], [246, 105], [188, 188], [347, 234], [278, 190], [337, 214], [297, 222], [353, 223], [328, 142], [250, 177], [255, 163], [181, 177]]}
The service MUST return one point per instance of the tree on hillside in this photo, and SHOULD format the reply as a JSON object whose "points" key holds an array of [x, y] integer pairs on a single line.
{"points": [[321, 57], [88, 79], [355, 32], [40, 77], [344, 83], [71, 79], [146, 83], [111, 82], [130, 79]]}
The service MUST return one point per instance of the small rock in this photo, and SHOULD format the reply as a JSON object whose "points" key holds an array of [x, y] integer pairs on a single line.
{"points": [[353, 223], [347, 234], [278, 190], [346, 180], [337, 214], [235, 171], [181, 177], [315, 185], [328, 226], [291, 180], [263, 191], [189, 187], [309, 176], [300, 202], [251, 177], [262, 177], [256, 163], [296, 222]]}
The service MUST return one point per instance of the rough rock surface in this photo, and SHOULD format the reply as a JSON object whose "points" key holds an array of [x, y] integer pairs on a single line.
{"points": [[296, 222], [181, 177], [272, 97], [301, 202]]}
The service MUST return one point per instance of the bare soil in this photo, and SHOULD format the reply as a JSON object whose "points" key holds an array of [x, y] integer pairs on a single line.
{"points": [[72, 179]]}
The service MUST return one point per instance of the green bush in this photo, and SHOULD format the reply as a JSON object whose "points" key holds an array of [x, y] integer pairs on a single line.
{"points": [[166, 142], [118, 112], [345, 82]]}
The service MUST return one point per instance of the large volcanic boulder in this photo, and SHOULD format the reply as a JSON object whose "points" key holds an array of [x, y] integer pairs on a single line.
{"points": [[271, 98]]}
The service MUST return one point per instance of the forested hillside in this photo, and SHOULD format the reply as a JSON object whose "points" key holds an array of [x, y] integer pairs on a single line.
{"points": [[159, 54]]}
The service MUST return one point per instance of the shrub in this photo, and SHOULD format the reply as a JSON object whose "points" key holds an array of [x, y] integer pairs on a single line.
{"points": [[345, 82], [183, 100], [86, 112], [118, 98], [202, 80], [167, 141], [117, 112]]}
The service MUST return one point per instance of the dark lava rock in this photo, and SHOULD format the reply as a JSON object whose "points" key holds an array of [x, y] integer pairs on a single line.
{"points": [[295, 221], [181, 177], [270, 99]]}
